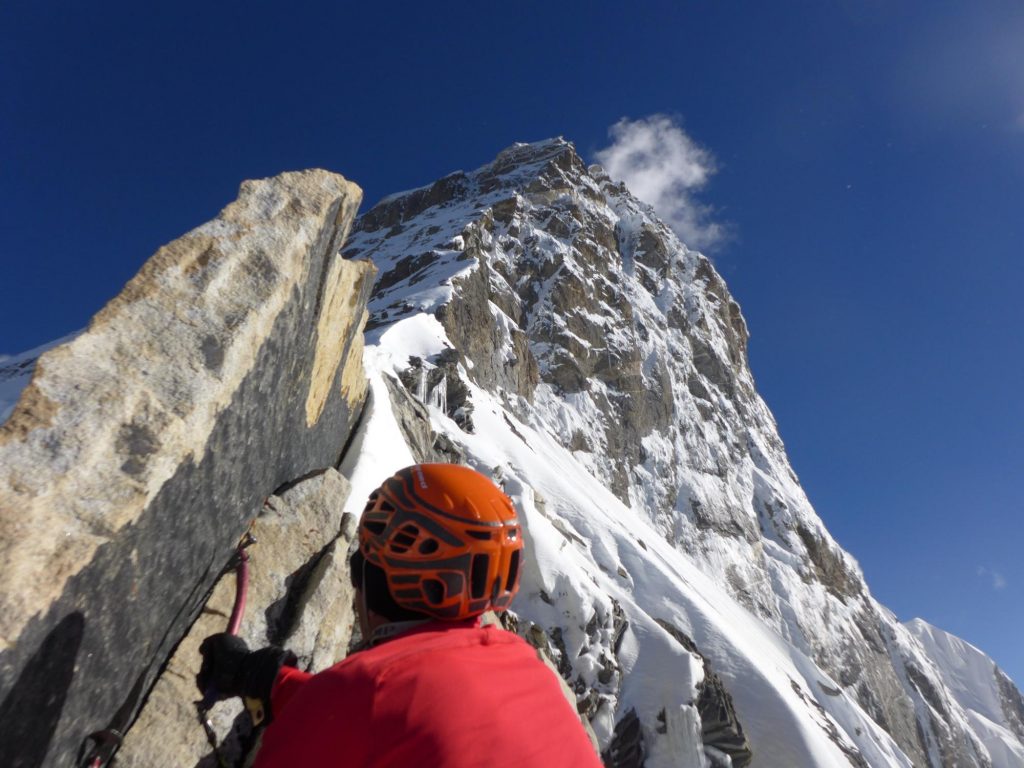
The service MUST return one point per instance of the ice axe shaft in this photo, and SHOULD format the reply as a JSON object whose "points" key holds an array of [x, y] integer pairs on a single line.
{"points": [[241, 583], [240, 563], [99, 747]]}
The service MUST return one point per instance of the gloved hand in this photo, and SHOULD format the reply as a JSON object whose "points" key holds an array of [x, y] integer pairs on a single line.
{"points": [[221, 672], [230, 669]]}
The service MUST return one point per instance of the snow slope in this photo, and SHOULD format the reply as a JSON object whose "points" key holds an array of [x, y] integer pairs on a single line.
{"points": [[995, 709]]}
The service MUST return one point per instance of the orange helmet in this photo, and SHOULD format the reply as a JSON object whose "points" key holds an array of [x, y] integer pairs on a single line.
{"points": [[447, 539]]}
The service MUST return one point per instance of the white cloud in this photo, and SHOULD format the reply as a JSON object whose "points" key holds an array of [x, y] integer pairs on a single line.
{"points": [[663, 166], [998, 581]]}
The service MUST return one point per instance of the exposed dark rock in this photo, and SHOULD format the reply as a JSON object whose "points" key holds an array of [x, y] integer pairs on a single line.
{"points": [[299, 596], [469, 322], [720, 726], [830, 727], [927, 688], [446, 451], [1011, 700], [619, 626], [588, 704], [865, 669], [953, 751], [560, 654], [829, 566], [414, 422], [729, 314], [389, 214], [626, 749], [404, 270], [869, 703], [652, 251], [444, 366], [723, 521], [867, 623]]}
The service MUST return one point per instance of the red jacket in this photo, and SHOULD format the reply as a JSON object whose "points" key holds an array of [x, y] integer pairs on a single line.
{"points": [[451, 695]]}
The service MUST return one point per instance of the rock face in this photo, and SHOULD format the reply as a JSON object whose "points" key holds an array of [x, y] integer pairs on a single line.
{"points": [[140, 451], [16, 373], [546, 286], [299, 596]]}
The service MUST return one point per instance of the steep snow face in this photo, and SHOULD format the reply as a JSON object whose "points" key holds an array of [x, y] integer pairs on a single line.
{"points": [[598, 367], [993, 704]]}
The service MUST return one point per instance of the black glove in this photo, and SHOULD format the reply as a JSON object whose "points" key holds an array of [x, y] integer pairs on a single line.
{"points": [[220, 673], [231, 669]]}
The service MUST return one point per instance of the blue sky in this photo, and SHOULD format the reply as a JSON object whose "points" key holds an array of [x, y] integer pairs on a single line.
{"points": [[869, 172]]}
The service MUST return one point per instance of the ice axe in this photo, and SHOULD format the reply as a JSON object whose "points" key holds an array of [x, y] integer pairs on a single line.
{"points": [[240, 564], [99, 747]]}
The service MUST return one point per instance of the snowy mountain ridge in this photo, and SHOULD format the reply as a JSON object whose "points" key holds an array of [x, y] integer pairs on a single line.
{"points": [[598, 367], [535, 320]]}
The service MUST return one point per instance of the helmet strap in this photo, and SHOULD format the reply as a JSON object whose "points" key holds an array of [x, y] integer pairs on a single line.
{"points": [[362, 596]]}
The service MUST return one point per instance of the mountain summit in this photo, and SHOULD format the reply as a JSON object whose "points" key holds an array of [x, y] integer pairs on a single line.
{"points": [[562, 337]]}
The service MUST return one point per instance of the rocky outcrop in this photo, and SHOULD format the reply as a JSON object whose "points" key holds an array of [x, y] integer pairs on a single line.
{"points": [[413, 420], [141, 450], [497, 362], [16, 373], [627, 746], [428, 380], [830, 567], [299, 597], [1012, 703], [721, 730]]}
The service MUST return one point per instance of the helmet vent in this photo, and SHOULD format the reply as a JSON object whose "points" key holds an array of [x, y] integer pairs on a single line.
{"points": [[375, 527], [513, 571], [404, 539], [478, 575], [433, 590], [428, 546], [482, 535]]}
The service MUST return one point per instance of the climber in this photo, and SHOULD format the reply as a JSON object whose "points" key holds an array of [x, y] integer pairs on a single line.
{"points": [[439, 545]]}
